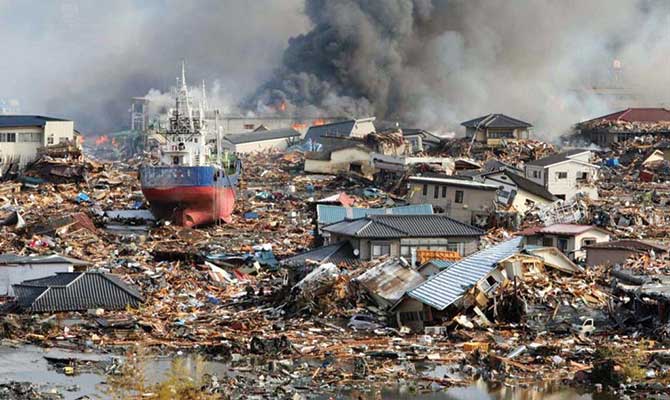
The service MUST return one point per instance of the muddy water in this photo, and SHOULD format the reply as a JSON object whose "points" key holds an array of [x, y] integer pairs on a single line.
{"points": [[27, 363]]}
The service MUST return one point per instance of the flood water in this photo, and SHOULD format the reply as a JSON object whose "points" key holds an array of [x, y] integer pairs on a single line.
{"points": [[27, 364]]}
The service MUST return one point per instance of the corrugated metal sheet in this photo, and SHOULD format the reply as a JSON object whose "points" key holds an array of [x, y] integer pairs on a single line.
{"points": [[390, 280], [331, 214], [447, 286]]}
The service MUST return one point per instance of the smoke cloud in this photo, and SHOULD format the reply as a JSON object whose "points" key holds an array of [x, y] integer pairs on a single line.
{"points": [[437, 63], [427, 63]]}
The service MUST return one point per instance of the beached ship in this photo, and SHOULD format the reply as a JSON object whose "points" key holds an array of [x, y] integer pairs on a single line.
{"points": [[193, 184]]}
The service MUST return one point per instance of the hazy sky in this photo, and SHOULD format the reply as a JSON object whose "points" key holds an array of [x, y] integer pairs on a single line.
{"points": [[85, 59], [430, 63]]}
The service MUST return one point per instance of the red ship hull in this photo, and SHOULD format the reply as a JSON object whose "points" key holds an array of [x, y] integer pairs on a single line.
{"points": [[192, 206]]}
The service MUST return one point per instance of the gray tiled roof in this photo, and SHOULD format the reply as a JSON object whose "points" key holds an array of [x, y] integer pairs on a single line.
{"points": [[556, 158], [76, 291], [496, 121], [259, 136], [338, 253], [447, 286], [398, 226]]}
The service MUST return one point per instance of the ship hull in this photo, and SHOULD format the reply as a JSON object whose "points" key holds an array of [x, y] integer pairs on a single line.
{"points": [[189, 196]]}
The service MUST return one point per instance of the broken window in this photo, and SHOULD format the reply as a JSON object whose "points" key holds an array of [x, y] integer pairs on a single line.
{"points": [[491, 280], [547, 242], [425, 190], [436, 191], [444, 191], [50, 140], [529, 203], [563, 244], [175, 160], [458, 197], [582, 176], [562, 175], [248, 126]]}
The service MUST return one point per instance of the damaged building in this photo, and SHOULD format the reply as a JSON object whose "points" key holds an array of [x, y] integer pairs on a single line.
{"points": [[625, 125]]}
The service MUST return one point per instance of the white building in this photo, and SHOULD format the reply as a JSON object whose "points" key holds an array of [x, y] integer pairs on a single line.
{"points": [[250, 142], [22, 135], [16, 269], [568, 238], [565, 174]]}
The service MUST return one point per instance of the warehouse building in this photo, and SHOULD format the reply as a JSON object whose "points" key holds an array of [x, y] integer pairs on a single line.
{"points": [[22, 135]]}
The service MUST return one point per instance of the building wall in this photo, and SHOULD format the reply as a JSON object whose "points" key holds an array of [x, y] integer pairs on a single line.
{"points": [[363, 128], [567, 187], [59, 130], [608, 257], [21, 151], [536, 174], [12, 275], [475, 201], [252, 147], [341, 161]]}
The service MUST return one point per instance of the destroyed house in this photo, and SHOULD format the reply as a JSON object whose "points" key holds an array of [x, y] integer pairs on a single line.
{"points": [[464, 200], [617, 252], [353, 128], [626, 124], [15, 269], [565, 174], [571, 239], [387, 282], [430, 299], [261, 140], [493, 129], [340, 156], [517, 192], [421, 140], [76, 291], [21, 136], [376, 236]]}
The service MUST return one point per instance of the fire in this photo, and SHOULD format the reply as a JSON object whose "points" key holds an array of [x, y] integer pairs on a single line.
{"points": [[101, 140], [282, 106], [318, 122], [298, 126]]}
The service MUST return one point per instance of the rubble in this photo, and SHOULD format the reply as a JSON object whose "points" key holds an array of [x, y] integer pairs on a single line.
{"points": [[216, 291]]}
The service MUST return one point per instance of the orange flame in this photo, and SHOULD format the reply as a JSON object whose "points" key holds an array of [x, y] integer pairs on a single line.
{"points": [[101, 140], [282, 106], [318, 122], [298, 126]]}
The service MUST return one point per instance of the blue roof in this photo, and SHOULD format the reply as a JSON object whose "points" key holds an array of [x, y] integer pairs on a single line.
{"points": [[25, 120], [447, 286], [330, 214]]}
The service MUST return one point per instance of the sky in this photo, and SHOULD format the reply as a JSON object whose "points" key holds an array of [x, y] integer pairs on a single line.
{"points": [[426, 63]]}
